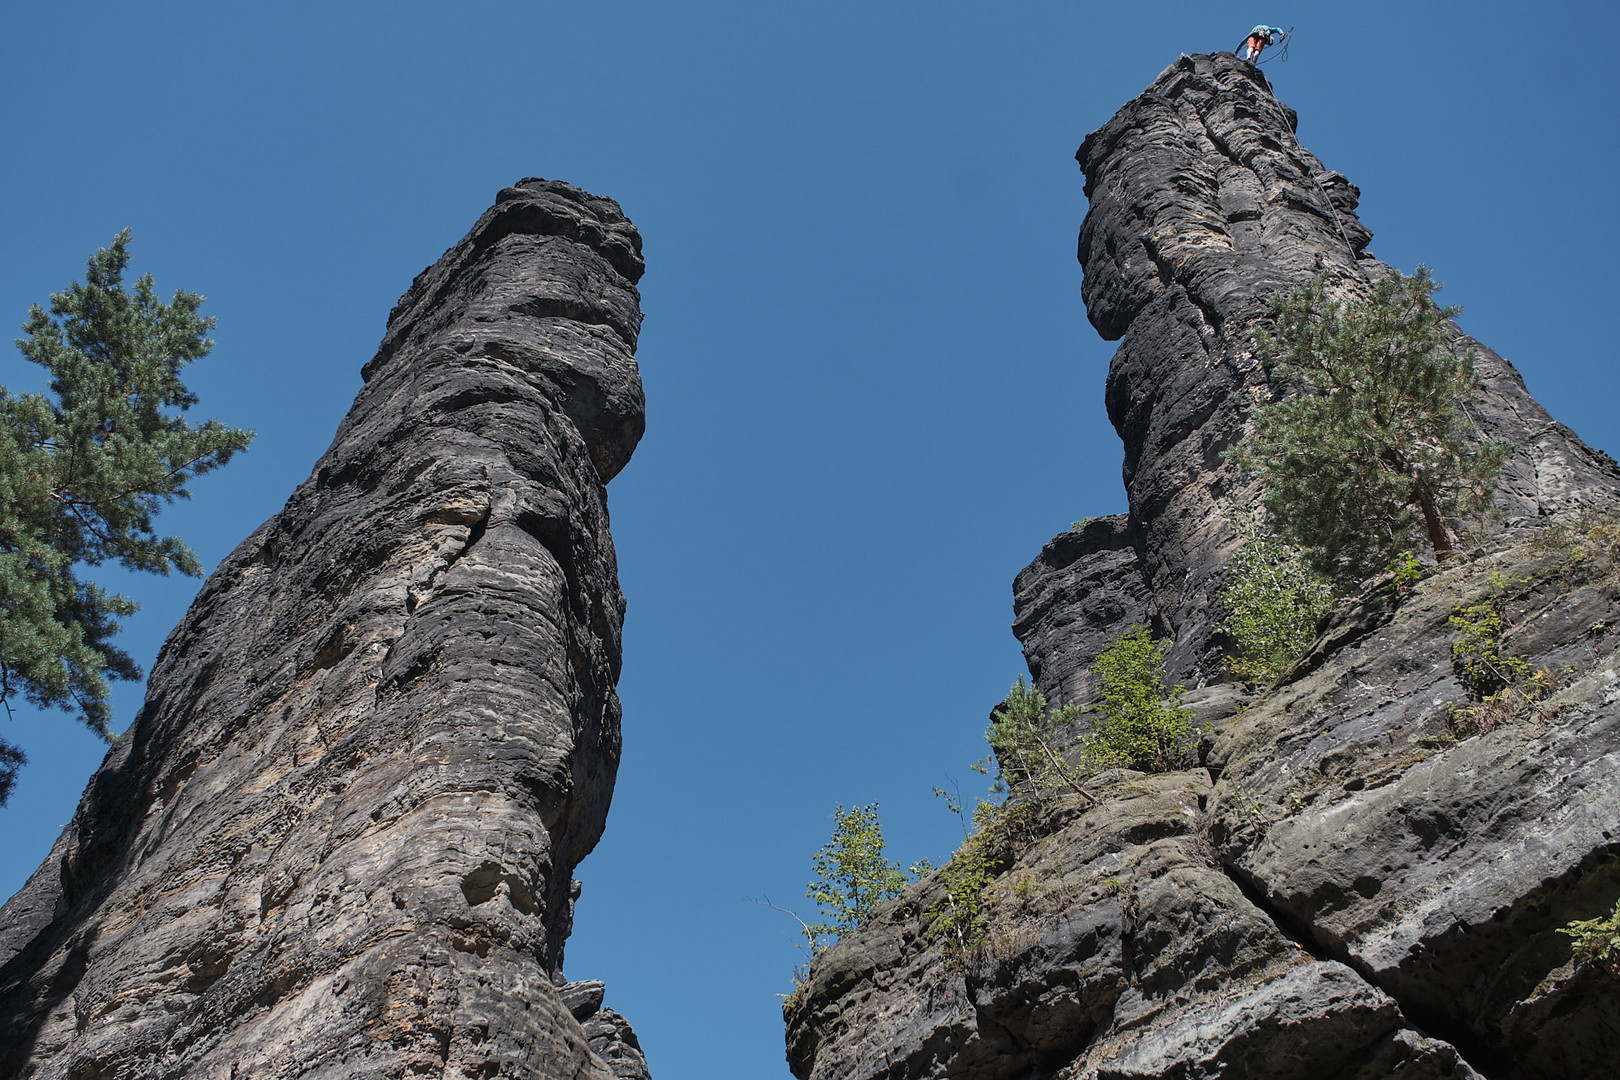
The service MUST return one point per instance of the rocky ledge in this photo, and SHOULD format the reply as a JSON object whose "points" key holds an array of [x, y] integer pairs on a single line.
{"points": [[339, 838], [1365, 875], [1352, 886]]}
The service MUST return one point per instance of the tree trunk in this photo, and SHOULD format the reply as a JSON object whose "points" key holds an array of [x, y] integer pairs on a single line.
{"points": [[1433, 520], [1439, 534]]}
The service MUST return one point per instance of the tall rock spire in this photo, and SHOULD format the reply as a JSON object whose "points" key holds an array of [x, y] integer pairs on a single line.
{"points": [[1365, 872], [1202, 205], [339, 838]]}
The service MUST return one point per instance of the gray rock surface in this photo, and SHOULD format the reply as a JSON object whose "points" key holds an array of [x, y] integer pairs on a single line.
{"points": [[1359, 881], [1441, 867], [1074, 598], [1118, 947], [339, 838]]}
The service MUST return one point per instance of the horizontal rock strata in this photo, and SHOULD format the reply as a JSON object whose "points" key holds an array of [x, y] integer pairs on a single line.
{"points": [[1438, 860], [1117, 947], [339, 838]]}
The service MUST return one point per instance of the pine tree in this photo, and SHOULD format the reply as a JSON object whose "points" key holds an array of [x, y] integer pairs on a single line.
{"points": [[84, 469], [1022, 735], [1371, 445]]}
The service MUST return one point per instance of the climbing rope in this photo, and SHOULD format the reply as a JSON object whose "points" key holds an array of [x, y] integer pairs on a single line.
{"points": [[1334, 210], [1288, 39]]}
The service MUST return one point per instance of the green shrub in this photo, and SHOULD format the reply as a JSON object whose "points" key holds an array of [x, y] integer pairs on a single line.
{"points": [[1139, 723], [1596, 941], [1274, 601], [1477, 655], [1505, 687], [960, 922], [1406, 570]]}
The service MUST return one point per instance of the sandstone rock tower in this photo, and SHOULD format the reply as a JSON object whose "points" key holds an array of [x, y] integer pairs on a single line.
{"points": [[1203, 204], [339, 838], [1346, 885]]}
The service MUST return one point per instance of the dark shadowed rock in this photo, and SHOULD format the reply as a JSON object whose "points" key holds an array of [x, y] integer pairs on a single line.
{"points": [[1074, 598], [340, 835], [1363, 879]]}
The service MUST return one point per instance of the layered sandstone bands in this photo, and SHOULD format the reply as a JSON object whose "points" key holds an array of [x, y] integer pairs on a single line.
{"points": [[339, 839], [1202, 205]]}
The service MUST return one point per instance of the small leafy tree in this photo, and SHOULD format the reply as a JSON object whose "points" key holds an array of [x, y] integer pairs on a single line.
{"points": [[1020, 735], [83, 471], [852, 875], [1477, 655], [1372, 445], [960, 919], [1139, 723], [1274, 601]]}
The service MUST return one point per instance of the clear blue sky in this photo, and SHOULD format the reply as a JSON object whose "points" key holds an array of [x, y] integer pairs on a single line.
{"points": [[872, 393]]}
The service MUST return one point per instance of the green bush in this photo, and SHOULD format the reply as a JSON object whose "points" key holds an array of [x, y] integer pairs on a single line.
{"points": [[959, 922], [1274, 601], [1406, 571], [1139, 724], [962, 921], [1477, 654], [1596, 941], [1505, 687]]}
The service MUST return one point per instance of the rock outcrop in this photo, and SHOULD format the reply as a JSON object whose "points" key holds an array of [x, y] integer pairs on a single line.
{"points": [[1203, 204], [1366, 874], [338, 840]]}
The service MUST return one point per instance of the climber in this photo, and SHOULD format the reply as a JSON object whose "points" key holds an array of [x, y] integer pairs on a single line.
{"points": [[1260, 37]]}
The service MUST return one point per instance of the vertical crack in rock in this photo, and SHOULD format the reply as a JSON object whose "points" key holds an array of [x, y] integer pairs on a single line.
{"points": [[340, 836], [1427, 1021]]}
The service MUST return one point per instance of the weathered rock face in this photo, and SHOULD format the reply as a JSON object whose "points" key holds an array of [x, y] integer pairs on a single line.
{"points": [[1355, 883], [1436, 863], [1202, 205], [339, 837]]}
